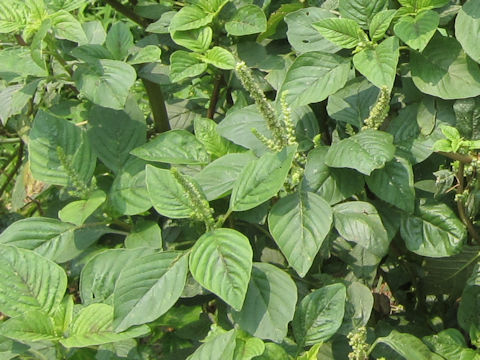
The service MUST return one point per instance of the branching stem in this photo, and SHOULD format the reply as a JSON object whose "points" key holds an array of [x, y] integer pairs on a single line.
{"points": [[157, 105], [127, 13]]}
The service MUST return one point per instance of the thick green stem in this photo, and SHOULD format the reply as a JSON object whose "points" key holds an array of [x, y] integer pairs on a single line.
{"points": [[214, 98], [157, 105], [125, 11], [456, 156]]}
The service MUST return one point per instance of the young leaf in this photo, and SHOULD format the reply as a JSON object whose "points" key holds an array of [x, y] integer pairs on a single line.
{"points": [[197, 40], [417, 31], [319, 315], [32, 326], [29, 282], [190, 17], [119, 40], [147, 54], [247, 348], [266, 311], [221, 261], [145, 233], [247, 20], [379, 65], [77, 212], [366, 151], [221, 347], [261, 179], [340, 31], [380, 24], [362, 11], [136, 297], [408, 346], [66, 26], [174, 147], [220, 58], [184, 65], [467, 28], [299, 223]]}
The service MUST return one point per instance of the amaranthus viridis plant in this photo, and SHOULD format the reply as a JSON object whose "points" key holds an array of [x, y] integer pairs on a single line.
{"points": [[281, 126]]}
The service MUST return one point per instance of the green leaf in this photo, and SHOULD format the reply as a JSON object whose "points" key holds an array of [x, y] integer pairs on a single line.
{"points": [[340, 31], [302, 36], [319, 315], [451, 133], [218, 177], [408, 346], [261, 179], [247, 348], [450, 344], [101, 272], [276, 19], [359, 222], [394, 184], [136, 296], [467, 28], [366, 151], [59, 151], [147, 54], [190, 17], [12, 17], [221, 261], [14, 98], [220, 347], [161, 25], [93, 326], [274, 352], [119, 40], [197, 40], [417, 31], [184, 65], [247, 20], [66, 26], [114, 133], [362, 11], [467, 315], [380, 24], [16, 62], [95, 32], [379, 65], [358, 307], [63, 315], [78, 211], [29, 282], [313, 77], [34, 325], [91, 52], [467, 114], [266, 311], [299, 223], [37, 44], [433, 230], [447, 74], [105, 82], [128, 193], [145, 233], [220, 58], [174, 147], [333, 185]]}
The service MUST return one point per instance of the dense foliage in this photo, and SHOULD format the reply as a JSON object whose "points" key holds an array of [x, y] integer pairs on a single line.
{"points": [[236, 180]]}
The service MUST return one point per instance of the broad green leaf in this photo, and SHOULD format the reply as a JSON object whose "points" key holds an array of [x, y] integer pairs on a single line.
{"points": [[34, 325], [93, 326], [221, 261], [12, 16], [313, 77], [247, 347], [358, 307], [218, 177], [174, 147], [59, 151], [161, 25], [95, 32], [394, 184], [342, 32], [261, 179], [417, 31], [128, 193], [113, 134], [78, 211], [366, 151], [145, 233], [266, 311], [220, 58], [148, 287], [352, 103], [247, 20], [319, 315], [15, 62], [274, 352], [91, 53], [101, 272], [362, 11], [467, 28], [119, 40], [333, 185], [276, 19], [13, 99], [379, 65], [433, 230], [450, 343], [302, 36], [220, 347], [66, 26], [468, 316], [184, 65], [359, 222], [197, 40], [467, 114], [408, 346], [312, 353], [29, 282], [105, 82], [299, 223], [211, 6], [380, 24], [190, 17], [147, 54], [63, 315], [447, 74], [51, 238]]}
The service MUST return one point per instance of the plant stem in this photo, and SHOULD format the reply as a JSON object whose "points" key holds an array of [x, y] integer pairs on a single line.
{"points": [[456, 156], [15, 169], [461, 206], [127, 13], [157, 105], [9, 140], [214, 98]]}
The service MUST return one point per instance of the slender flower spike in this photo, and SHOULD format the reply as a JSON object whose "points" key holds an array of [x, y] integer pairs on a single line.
{"points": [[380, 110]]}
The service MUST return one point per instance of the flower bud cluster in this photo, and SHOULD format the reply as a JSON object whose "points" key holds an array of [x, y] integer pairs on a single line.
{"points": [[357, 339], [379, 111]]}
